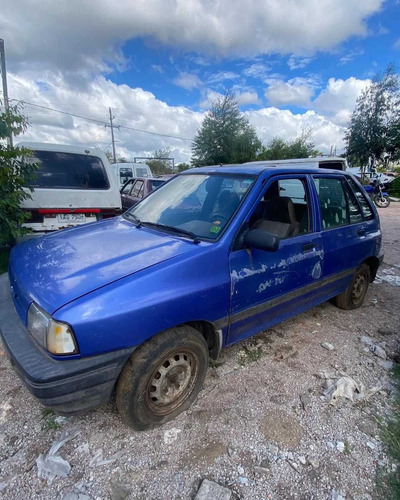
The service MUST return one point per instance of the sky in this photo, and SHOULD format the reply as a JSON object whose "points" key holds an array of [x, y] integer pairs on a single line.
{"points": [[294, 65]]}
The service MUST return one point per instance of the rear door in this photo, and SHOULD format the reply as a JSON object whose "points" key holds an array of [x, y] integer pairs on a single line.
{"points": [[348, 237], [125, 191]]}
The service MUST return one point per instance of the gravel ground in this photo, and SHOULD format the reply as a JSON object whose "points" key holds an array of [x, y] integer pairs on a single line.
{"points": [[261, 426]]}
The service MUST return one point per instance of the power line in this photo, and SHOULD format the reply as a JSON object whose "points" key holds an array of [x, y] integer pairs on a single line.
{"points": [[104, 123]]}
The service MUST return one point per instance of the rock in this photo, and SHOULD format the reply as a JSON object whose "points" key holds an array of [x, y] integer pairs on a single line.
{"points": [[119, 491], [265, 464], [327, 346], [302, 460], [240, 470], [338, 495], [261, 470], [340, 446], [367, 340], [171, 435], [212, 491], [330, 445], [243, 480], [314, 463], [60, 420], [379, 351], [368, 427], [305, 400], [371, 445]]}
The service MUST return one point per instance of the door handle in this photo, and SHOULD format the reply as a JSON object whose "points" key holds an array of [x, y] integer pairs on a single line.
{"points": [[309, 247], [361, 231]]}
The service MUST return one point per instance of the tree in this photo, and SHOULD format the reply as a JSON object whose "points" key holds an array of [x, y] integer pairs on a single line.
{"points": [[374, 130], [159, 163], [182, 166], [15, 174], [120, 159], [225, 135], [279, 149]]}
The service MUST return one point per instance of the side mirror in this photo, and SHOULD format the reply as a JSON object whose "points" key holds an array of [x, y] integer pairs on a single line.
{"points": [[261, 240]]}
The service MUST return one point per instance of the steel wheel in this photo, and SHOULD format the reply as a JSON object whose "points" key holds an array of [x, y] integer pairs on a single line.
{"points": [[162, 378], [172, 382], [360, 287]]}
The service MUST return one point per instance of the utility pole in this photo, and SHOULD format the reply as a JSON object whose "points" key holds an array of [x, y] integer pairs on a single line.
{"points": [[5, 91], [112, 134]]}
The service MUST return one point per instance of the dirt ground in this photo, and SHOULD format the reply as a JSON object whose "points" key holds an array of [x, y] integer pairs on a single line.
{"points": [[262, 426]]}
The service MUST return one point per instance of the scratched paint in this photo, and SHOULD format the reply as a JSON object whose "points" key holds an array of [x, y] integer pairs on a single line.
{"points": [[316, 271]]}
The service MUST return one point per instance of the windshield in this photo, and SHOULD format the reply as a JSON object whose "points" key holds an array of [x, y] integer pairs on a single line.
{"points": [[200, 204]]}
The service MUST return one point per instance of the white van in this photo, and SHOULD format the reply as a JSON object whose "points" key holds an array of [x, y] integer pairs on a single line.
{"points": [[74, 185], [333, 162], [125, 171]]}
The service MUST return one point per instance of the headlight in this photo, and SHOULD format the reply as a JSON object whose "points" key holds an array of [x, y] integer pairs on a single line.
{"points": [[56, 337]]}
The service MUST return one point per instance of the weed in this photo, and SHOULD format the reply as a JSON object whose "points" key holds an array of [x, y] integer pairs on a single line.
{"points": [[347, 448], [250, 354], [389, 484], [48, 420], [216, 363], [47, 412]]}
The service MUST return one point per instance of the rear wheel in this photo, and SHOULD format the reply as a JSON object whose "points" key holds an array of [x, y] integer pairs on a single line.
{"points": [[162, 378], [381, 201], [353, 296]]}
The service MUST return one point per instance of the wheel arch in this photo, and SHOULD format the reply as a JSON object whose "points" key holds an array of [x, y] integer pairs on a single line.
{"points": [[373, 264], [212, 336]]}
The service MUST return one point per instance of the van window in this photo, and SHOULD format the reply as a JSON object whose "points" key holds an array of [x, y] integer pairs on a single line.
{"points": [[141, 172], [125, 173], [69, 171], [334, 165]]}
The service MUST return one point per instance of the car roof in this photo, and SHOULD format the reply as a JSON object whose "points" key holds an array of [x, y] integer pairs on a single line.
{"points": [[243, 169]]}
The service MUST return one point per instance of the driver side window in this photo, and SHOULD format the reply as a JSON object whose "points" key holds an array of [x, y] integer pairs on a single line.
{"points": [[283, 209]]}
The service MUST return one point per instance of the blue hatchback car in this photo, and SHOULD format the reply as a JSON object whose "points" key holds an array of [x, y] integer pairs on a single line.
{"points": [[139, 303]]}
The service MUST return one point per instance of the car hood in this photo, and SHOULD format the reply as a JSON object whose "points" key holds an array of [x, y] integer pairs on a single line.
{"points": [[56, 269]]}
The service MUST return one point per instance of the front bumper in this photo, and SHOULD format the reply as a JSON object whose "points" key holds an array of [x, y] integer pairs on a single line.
{"points": [[69, 385]]}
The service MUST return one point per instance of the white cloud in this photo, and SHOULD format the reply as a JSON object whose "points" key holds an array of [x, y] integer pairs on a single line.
{"points": [[87, 36], [223, 76], [350, 56], [188, 81], [248, 97], [282, 93], [338, 99], [298, 62], [396, 44], [273, 122], [258, 71]]}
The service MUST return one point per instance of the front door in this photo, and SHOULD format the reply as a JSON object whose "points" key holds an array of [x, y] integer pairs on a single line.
{"points": [[269, 287]]}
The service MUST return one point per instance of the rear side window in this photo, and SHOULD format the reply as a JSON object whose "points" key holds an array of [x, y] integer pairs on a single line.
{"points": [[366, 209], [69, 171], [156, 184], [332, 201]]}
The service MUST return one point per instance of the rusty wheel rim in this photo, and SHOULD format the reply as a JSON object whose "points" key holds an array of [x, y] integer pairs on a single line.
{"points": [[359, 288], [172, 382]]}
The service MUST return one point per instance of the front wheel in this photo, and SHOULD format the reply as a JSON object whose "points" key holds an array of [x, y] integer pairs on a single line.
{"points": [[353, 296], [381, 201], [162, 378]]}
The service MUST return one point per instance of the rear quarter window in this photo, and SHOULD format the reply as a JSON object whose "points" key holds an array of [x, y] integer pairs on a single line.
{"points": [[69, 171], [365, 207]]}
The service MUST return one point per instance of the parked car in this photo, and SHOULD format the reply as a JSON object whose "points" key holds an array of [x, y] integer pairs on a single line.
{"points": [[74, 185], [140, 302], [138, 188], [125, 171]]}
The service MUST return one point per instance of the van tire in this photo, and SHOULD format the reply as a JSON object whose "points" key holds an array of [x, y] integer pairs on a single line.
{"points": [[162, 378], [353, 296]]}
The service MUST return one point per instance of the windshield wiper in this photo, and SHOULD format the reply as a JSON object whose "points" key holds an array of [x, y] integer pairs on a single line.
{"points": [[133, 217], [172, 229]]}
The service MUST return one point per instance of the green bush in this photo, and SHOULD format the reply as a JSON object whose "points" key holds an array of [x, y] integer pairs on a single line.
{"points": [[15, 174], [394, 187]]}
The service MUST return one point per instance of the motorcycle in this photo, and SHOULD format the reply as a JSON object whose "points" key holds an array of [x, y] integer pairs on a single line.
{"points": [[377, 194]]}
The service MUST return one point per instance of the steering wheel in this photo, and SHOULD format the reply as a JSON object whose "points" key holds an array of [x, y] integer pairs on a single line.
{"points": [[218, 216]]}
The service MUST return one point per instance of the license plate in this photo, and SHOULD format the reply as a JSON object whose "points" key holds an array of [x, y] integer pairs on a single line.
{"points": [[71, 218]]}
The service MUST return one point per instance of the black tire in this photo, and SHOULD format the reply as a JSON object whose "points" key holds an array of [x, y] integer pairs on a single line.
{"points": [[353, 296], [162, 378], [381, 201]]}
